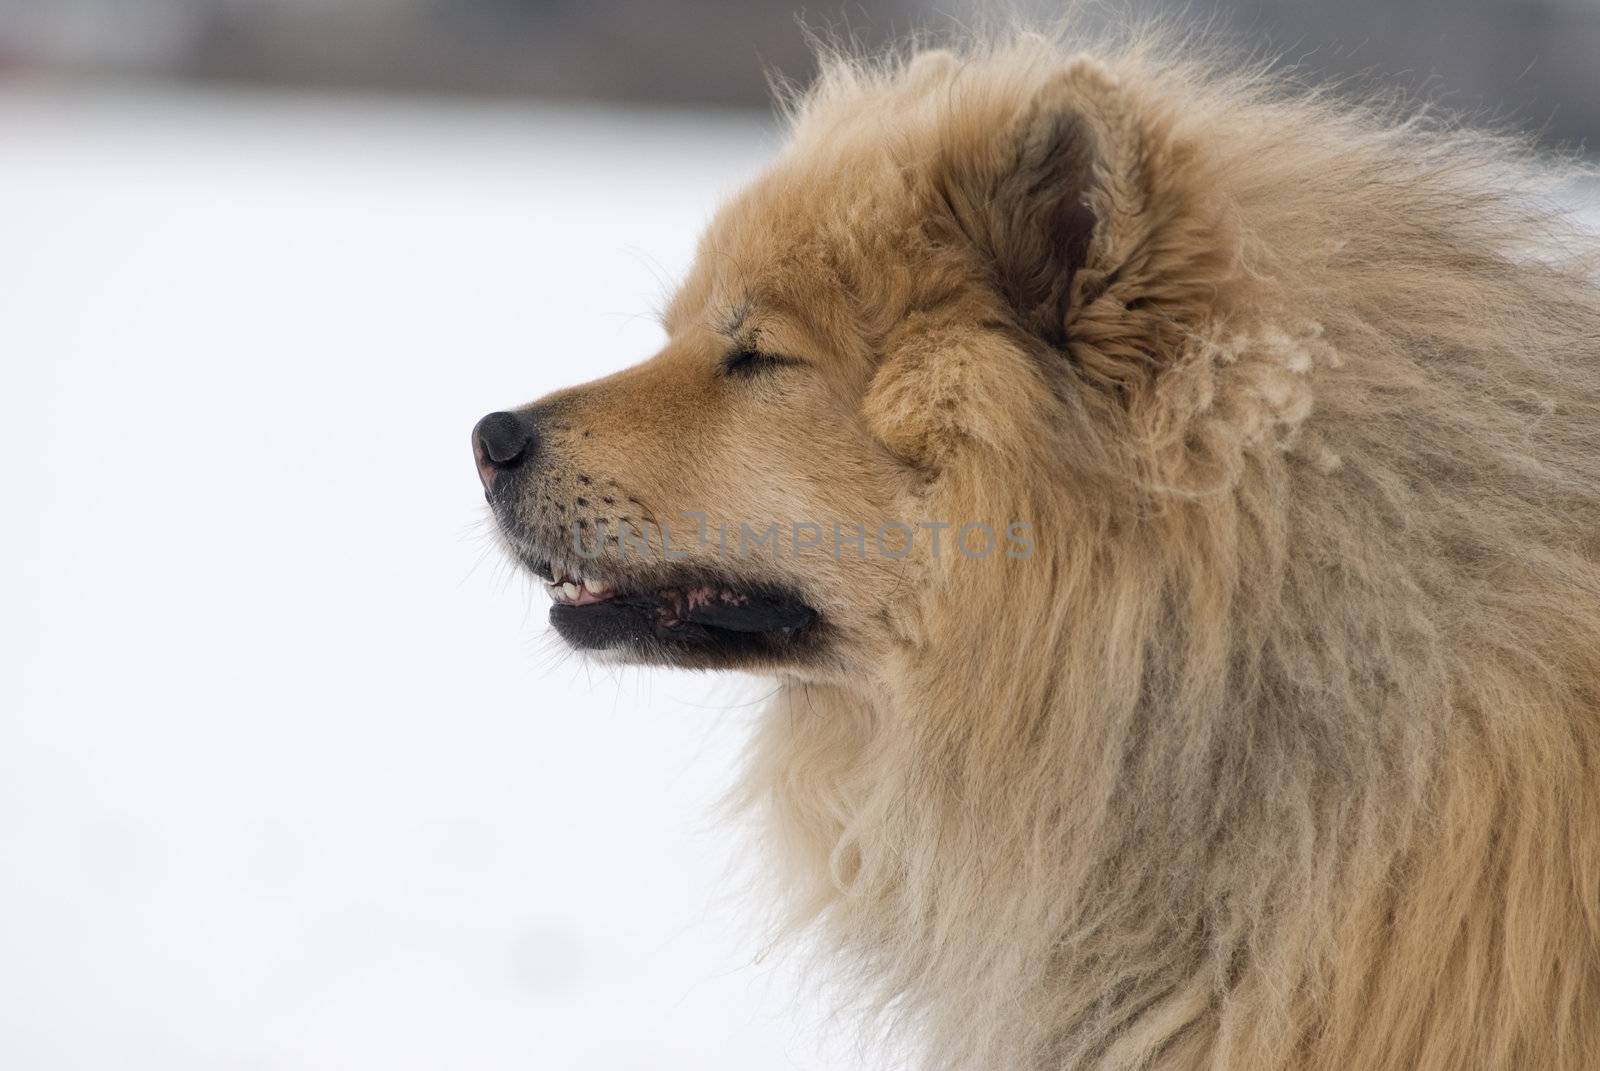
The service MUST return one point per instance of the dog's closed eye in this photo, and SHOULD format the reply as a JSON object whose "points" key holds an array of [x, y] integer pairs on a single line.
{"points": [[749, 362]]}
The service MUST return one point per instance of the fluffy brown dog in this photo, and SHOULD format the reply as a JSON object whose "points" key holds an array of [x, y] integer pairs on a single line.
{"points": [[1248, 715]]}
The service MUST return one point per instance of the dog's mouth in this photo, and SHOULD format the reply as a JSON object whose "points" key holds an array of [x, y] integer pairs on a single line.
{"points": [[681, 618]]}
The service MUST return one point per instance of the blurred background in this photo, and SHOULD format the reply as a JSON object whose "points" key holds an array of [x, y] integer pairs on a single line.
{"points": [[291, 773], [1531, 61]]}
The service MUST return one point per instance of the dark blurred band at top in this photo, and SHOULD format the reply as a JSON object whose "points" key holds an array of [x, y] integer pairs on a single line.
{"points": [[1532, 63]]}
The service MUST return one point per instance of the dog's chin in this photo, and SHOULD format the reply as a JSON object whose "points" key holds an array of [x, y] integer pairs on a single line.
{"points": [[684, 617]]}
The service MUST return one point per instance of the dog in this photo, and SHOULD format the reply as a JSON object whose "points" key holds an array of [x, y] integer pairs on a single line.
{"points": [[1169, 501]]}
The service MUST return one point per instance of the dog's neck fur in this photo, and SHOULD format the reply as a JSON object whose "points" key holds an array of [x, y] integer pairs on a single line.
{"points": [[1094, 873]]}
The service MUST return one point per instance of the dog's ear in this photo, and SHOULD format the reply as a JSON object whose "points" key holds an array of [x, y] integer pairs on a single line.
{"points": [[1015, 187], [1019, 193]]}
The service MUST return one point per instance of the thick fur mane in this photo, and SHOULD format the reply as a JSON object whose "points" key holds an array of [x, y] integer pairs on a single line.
{"points": [[1283, 750]]}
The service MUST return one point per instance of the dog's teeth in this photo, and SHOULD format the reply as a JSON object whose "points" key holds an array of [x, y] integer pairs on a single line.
{"points": [[570, 590], [596, 587]]}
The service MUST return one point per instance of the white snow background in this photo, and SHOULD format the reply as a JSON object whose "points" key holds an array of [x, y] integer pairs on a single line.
{"points": [[291, 773]]}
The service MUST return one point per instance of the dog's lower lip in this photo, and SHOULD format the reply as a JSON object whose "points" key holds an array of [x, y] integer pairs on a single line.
{"points": [[693, 621]]}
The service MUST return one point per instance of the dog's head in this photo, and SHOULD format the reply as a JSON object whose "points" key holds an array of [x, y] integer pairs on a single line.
{"points": [[794, 472]]}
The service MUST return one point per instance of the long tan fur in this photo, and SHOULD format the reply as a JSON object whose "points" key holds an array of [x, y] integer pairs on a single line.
{"points": [[1283, 749]]}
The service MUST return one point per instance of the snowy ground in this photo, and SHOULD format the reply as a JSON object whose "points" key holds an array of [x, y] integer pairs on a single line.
{"points": [[291, 775]]}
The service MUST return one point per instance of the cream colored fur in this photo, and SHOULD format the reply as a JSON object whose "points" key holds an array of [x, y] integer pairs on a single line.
{"points": [[1283, 750]]}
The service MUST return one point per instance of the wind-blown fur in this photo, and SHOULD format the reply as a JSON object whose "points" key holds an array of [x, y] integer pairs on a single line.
{"points": [[1283, 749]]}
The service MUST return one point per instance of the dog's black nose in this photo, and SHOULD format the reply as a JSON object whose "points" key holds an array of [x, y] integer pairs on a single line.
{"points": [[500, 442]]}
